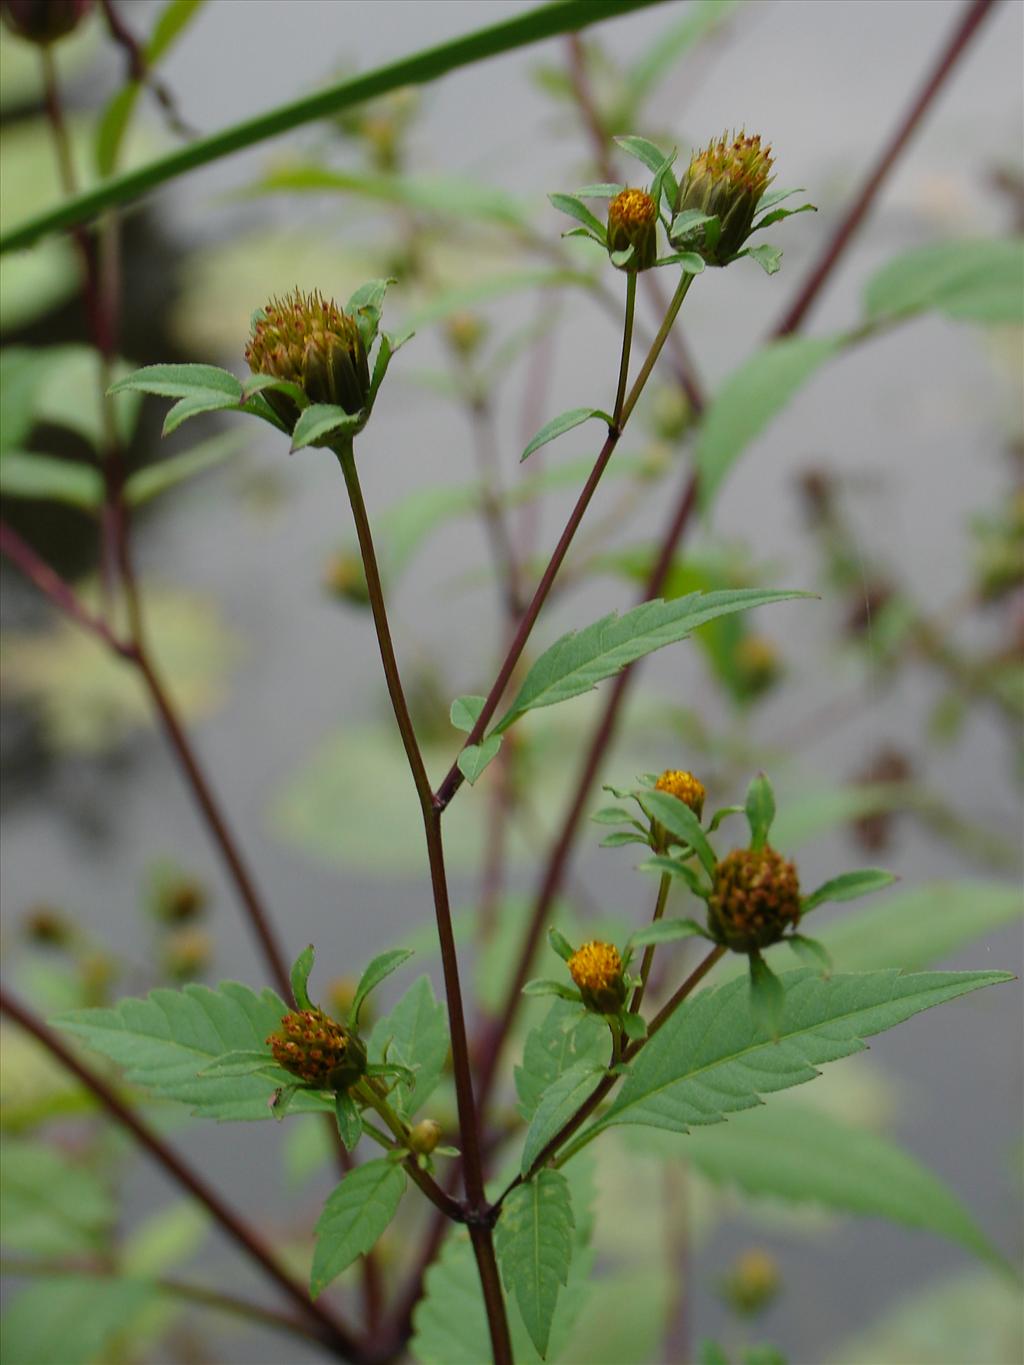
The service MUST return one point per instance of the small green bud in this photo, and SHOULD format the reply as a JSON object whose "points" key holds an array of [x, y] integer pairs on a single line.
{"points": [[186, 953], [752, 1283], [754, 900], [726, 181], [424, 1137], [633, 222]]}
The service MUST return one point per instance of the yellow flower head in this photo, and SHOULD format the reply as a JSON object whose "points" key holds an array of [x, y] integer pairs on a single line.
{"points": [[679, 783], [726, 181], [633, 222], [596, 968]]}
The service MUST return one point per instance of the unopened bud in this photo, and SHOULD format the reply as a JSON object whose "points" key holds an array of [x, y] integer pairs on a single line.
{"points": [[187, 953], [47, 926], [726, 181], [752, 1283], [464, 332], [596, 968], [633, 222], [345, 578], [755, 899], [425, 1136], [318, 1050]]}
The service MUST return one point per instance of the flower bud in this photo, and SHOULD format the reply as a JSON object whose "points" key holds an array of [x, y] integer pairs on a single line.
{"points": [[47, 927], [726, 181], [310, 341], [174, 896], [684, 787], [752, 1283], [322, 1053], [186, 953], [758, 664], [345, 578], [464, 332], [43, 21], [596, 968], [633, 222], [755, 899], [425, 1136]]}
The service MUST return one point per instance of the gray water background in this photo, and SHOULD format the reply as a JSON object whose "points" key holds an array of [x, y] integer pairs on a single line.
{"points": [[922, 415]]}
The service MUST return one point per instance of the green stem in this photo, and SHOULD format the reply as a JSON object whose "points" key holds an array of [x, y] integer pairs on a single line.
{"points": [[664, 886], [656, 346], [627, 342]]}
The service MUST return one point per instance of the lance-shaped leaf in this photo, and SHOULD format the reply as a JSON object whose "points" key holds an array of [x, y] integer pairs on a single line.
{"points": [[711, 1059], [534, 1243], [301, 969], [654, 159], [415, 1034], [321, 420], [680, 821], [767, 996], [565, 421], [180, 381], [675, 867], [667, 931], [195, 405], [557, 1106], [568, 203], [348, 1119], [382, 966], [564, 1037], [578, 661], [353, 1219], [760, 809], [26, 474], [848, 887], [154, 479]]}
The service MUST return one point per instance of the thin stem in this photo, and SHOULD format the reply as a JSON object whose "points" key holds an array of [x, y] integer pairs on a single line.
{"points": [[55, 589], [664, 886], [689, 985], [174, 1288], [482, 1239], [333, 1331], [627, 341], [971, 18], [371, 1094], [453, 778]]}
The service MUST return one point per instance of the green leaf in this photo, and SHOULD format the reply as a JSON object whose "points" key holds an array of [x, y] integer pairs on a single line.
{"points": [[605, 190], [680, 821], [848, 887], [262, 383], [769, 258], [180, 381], [25, 474], [969, 281], [348, 1119], [777, 217], [578, 661], [163, 1041], [73, 1319], [319, 421], [615, 815], [355, 1215], [474, 758], [802, 1155], [749, 399], [379, 968], [544, 986], [534, 1245], [154, 479], [559, 425], [812, 952], [760, 810], [416, 1031], [653, 158], [770, 198], [557, 1105], [621, 837], [675, 867], [711, 1059], [301, 969], [560, 944], [49, 1206], [241, 1063], [195, 405], [667, 931], [575, 208], [566, 1036], [767, 996]]}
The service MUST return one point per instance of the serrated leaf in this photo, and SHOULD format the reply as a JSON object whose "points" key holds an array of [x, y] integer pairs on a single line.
{"points": [[166, 1039], [353, 1219], [417, 1030], [348, 1119], [180, 381], [534, 1245], [558, 426], [144, 484], [575, 208], [749, 399], [26, 474], [378, 969], [50, 1206], [710, 1059], [971, 280], [848, 887], [578, 661], [557, 1105], [301, 968], [802, 1155], [474, 758], [667, 931], [680, 821], [760, 810], [73, 1319], [319, 421]]}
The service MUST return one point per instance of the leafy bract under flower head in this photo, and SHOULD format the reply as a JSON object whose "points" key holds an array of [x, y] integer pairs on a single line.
{"points": [[754, 900], [683, 785], [309, 341]]}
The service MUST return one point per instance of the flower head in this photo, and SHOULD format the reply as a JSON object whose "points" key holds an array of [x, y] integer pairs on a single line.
{"points": [[596, 968], [726, 181], [319, 1051], [754, 900], [310, 341], [683, 785], [633, 222]]}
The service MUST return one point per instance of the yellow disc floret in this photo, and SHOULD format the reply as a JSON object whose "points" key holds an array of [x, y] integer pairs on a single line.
{"points": [[726, 181], [633, 222], [596, 968], [318, 1050], [682, 784]]}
